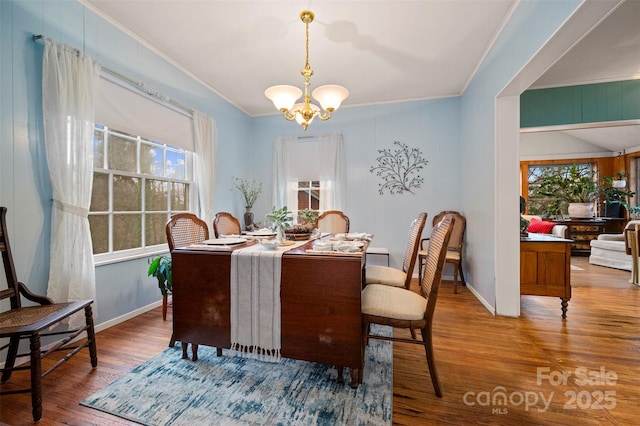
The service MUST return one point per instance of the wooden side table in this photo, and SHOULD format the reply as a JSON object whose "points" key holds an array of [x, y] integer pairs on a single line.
{"points": [[582, 231], [545, 268]]}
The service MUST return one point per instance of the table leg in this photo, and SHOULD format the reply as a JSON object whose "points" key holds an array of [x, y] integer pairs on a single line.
{"points": [[565, 304], [354, 378]]}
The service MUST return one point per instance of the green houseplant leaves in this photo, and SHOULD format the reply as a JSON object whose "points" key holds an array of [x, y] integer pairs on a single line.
{"points": [[160, 267]]}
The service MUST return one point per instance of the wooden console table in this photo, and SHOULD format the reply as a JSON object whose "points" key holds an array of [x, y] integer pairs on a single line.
{"points": [[545, 268]]}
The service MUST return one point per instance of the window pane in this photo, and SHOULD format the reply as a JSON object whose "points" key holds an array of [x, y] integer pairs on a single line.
{"points": [[98, 148], [179, 196], [100, 193], [315, 203], [154, 229], [315, 184], [99, 226], [175, 164], [304, 184], [156, 196], [126, 194], [303, 200], [151, 160], [122, 153], [127, 231]]}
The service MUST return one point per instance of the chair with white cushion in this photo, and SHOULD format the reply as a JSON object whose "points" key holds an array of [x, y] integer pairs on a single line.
{"points": [[379, 274], [402, 308], [454, 251]]}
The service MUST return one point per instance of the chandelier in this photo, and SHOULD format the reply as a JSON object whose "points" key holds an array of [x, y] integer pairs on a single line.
{"points": [[284, 97]]}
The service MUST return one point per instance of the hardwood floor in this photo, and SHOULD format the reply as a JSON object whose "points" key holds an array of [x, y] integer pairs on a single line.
{"points": [[479, 358]]}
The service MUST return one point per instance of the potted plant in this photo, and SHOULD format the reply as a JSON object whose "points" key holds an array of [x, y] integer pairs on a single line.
{"points": [[280, 220], [574, 187], [307, 216], [160, 267], [250, 190], [615, 194]]}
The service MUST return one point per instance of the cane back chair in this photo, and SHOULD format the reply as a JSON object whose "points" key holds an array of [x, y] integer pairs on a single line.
{"points": [[402, 308], [184, 229], [378, 274], [455, 249], [224, 223], [35, 322]]}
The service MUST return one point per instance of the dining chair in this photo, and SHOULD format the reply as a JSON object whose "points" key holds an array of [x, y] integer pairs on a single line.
{"points": [[224, 223], [184, 229], [35, 323], [454, 251], [379, 274], [332, 221], [403, 308]]}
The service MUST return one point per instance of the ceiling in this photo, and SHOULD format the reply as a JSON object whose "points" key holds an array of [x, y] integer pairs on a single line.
{"points": [[382, 51]]}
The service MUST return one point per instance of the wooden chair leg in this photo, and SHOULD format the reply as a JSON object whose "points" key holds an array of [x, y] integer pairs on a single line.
{"points": [[455, 279], [463, 281], [428, 347], [12, 352], [36, 378], [363, 348], [413, 333], [91, 336]]}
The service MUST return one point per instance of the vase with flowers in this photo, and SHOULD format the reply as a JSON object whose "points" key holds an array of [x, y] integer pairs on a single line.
{"points": [[250, 190]]}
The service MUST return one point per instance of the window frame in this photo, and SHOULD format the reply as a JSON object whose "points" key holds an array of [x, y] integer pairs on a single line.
{"points": [[113, 256]]}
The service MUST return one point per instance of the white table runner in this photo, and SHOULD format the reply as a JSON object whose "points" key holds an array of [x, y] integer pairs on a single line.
{"points": [[255, 299]]}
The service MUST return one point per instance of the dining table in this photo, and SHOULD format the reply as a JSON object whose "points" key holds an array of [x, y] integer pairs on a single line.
{"points": [[319, 299]]}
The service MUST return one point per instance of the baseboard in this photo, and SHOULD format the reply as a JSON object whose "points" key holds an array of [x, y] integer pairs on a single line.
{"points": [[115, 321], [100, 327], [486, 304]]}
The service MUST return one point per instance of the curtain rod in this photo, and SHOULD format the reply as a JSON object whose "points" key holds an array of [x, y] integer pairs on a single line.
{"points": [[138, 84]]}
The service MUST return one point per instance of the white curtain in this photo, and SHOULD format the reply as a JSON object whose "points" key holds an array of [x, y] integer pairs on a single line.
{"points": [[69, 84], [204, 163], [320, 158]]}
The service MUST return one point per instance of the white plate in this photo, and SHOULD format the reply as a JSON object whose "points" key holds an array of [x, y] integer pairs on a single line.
{"points": [[261, 233], [225, 241]]}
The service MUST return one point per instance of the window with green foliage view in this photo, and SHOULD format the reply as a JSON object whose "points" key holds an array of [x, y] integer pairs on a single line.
{"points": [[137, 185]]}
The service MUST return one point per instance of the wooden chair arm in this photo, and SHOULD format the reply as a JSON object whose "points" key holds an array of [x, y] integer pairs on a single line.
{"points": [[42, 300]]}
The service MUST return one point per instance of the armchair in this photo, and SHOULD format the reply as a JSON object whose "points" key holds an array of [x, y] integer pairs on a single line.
{"points": [[613, 250]]}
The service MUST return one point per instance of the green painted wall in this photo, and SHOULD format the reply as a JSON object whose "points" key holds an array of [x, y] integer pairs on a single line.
{"points": [[619, 100]]}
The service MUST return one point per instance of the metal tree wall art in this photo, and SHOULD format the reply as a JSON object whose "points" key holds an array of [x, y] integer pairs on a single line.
{"points": [[398, 168]]}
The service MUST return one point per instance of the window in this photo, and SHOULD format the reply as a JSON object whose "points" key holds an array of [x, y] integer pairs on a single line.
{"points": [[309, 173], [137, 185], [541, 203], [308, 196]]}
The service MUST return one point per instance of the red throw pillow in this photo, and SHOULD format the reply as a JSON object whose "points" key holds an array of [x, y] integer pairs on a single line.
{"points": [[540, 226]]}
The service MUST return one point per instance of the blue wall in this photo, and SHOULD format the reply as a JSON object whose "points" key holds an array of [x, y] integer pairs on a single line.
{"points": [[24, 181]]}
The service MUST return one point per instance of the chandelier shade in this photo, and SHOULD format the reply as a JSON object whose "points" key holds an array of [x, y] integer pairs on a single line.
{"points": [[330, 96], [284, 97]]}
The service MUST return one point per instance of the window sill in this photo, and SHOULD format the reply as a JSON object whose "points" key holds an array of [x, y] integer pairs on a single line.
{"points": [[107, 259]]}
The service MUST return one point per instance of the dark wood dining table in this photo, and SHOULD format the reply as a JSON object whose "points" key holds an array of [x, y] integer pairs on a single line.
{"points": [[320, 303]]}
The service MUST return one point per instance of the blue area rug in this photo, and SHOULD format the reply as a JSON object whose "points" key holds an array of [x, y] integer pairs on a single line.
{"points": [[235, 390]]}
